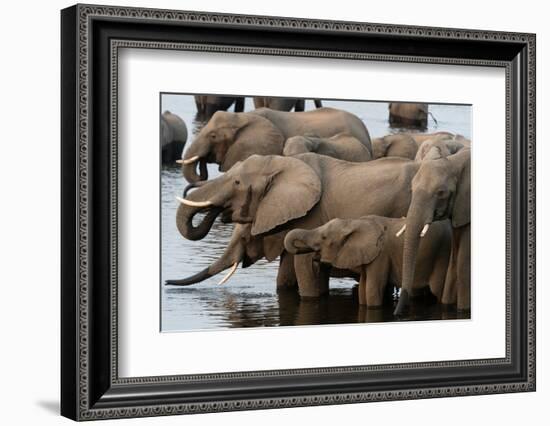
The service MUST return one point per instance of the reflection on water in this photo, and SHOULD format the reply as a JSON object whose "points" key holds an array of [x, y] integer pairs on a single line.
{"points": [[250, 299]]}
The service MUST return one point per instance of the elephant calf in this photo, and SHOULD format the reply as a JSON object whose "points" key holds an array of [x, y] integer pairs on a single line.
{"points": [[373, 247], [342, 146]]}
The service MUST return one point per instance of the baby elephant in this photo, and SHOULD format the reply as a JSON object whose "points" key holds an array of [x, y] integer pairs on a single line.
{"points": [[341, 146], [372, 246]]}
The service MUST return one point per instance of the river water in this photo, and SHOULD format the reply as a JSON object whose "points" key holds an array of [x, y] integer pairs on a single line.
{"points": [[249, 298]]}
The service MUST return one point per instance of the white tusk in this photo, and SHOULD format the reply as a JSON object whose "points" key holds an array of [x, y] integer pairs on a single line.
{"points": [[190, 160], [424, 230], [180, 161], [401, 230], [231, 272], [194, 203]]}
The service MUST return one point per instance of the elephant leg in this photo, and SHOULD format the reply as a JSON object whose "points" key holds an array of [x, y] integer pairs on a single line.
{"points": [[463, 271], [363, 288], [318, 103], [438, 276], [286, 275], [239, 104], [375, 283], [300, 105], [449, 291], [312, 279]]}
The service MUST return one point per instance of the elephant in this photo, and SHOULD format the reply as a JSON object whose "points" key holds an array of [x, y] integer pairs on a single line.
{"points": [[232, 137], [341, 146], [276, 194], [372, 246], [207, 105], [173, 135], [284, 104], [247, 249], [441, 146], [440, 190], [405, 114], [398, 145]]}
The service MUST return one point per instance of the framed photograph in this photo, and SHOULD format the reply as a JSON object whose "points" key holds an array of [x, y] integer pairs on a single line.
{"points": [[263, 212]]}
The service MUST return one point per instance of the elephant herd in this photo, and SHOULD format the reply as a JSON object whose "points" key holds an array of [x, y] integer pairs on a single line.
{"points": [[312, 189]]}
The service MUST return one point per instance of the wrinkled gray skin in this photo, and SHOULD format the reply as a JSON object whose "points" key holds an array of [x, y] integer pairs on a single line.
{"points": [[398, 145], [441, 146], [173, 135], [275, 194], [208, 105], [232, 137], [284, 104], [370, 246], [440, 190], [246, 249], [341, 146], [404, 114]]}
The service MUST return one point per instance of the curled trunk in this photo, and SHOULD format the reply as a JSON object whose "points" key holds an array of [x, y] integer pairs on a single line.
{"points": [[184, 221]]}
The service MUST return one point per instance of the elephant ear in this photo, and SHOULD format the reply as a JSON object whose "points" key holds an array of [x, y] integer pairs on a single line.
{"points": [[259, 136], [292, 189], [363, 242], [461, 208]]}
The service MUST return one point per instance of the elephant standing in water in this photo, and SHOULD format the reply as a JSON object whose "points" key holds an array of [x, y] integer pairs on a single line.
{"points": [[207, 105], [404, 114], [372, 246], [232, 137], [276, 194], [440, 190], [284, 104], [173, 135], [341, 146]]}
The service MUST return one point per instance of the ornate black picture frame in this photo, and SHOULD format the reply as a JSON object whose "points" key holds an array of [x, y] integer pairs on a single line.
{"points": [[91, 387]]}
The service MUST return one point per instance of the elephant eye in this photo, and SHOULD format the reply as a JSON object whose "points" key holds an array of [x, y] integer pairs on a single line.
{"points": [[237, 181], [441, 193]]}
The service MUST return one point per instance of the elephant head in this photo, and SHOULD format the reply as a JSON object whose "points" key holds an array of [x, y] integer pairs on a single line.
{"points": [[243, 247], [440, 146], [300, 145], [228, 138], [263, 191], [440, 190], [343, 243]]}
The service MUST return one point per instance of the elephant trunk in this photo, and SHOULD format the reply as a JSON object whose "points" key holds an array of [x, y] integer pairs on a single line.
{"points": [[195, 156], [231, 256], [419, 215], [193, 279], [184, 221], [296, 242]]}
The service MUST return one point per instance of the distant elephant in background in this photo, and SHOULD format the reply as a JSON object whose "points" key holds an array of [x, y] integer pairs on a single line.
{"points": [[207, 105], [404, 114], [284, 104], [247, 249], [341, 146], [276, 194], [441, 146], [372, 246], [232, 137], [440, 190], [398, 145], [173, 135]]}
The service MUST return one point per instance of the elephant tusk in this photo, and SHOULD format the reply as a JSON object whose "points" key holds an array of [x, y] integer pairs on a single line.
{"points": [[231, 272], [194, 203], [190, 160], [398, 234], [180, 161], [424, 230]]}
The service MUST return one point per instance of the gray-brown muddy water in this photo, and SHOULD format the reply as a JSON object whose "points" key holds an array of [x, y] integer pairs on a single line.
{"points": [[250, 299]]}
